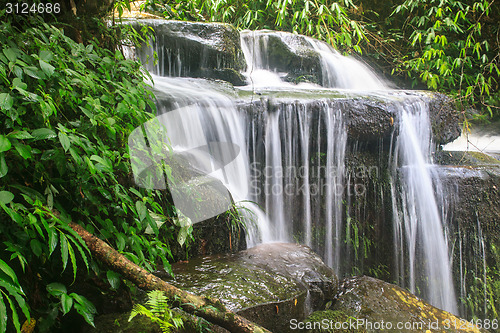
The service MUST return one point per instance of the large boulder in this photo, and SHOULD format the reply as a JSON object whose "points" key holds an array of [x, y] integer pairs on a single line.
{"points": [[365, 304], [268, 284], [285, 52], [192, 49]]}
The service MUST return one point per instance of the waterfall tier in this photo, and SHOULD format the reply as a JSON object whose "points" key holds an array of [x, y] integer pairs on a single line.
{"points": [[327, 155]]}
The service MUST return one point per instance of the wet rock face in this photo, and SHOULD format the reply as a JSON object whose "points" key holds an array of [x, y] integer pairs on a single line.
{"points": [[368, 117], [472, 181], [445, 120], [288, 53], [268, 284], [191, 49]]}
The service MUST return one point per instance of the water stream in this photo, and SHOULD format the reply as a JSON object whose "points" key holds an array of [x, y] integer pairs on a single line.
{"points": [[421, 246], [290, 170]]}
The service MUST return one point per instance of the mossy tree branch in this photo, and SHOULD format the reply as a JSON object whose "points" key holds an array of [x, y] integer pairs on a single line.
{"points": [[210, 309]]}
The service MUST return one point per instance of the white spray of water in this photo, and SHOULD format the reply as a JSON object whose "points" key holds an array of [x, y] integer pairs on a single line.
{"points": [[419, 231]]}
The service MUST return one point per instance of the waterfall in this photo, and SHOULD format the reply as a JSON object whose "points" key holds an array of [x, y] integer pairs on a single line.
{"points": [[298, 177], [421, 248], [203, 126], [344, 72], [290, 171]]}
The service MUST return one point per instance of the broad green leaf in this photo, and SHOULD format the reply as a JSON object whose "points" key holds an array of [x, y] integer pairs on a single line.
{"points": [[22, 135], [47, 109], [6, 101], [11, 53], [5, 198], [104, 164], [34, 72], [12, 213], [66, 303], [18, 83], [56, 289], [120, 242], [88, 316], [113, 279], [46, 55], [83, 301], [141, 209], [35, 195], [182, 235], [48, 69], [23, 150], [3, 165], [36, 247], [5, 144], [64, 140], [43, 134]]}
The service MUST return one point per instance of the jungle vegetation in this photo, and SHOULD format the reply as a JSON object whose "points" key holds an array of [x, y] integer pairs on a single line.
{"points": [[69, 99]]}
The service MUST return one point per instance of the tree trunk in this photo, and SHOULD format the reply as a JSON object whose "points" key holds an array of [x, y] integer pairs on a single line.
{"points": [[210, 309]]}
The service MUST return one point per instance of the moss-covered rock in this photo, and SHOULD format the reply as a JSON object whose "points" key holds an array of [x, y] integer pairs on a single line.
{"points": [[268, 284], [118, 323], [378, 306], [192, 49]]}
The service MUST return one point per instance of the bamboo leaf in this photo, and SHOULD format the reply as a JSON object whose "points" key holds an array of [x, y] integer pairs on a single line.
{"points": [[9, 271], [64, 250], [3, 315]]}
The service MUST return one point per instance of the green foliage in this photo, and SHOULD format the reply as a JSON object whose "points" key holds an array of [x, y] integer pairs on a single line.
{"points": [[66, 112], [482, 297], [450, 48], [324, 19], [158, 312], [11, 293], [68, 301]]}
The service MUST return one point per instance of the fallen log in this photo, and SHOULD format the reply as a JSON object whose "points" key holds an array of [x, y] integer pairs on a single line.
{"points": [[210, 309]]}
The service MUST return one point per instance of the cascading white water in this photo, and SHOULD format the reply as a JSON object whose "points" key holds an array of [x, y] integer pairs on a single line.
{"points": [[299, 177], [421, 246], [199, 116], [343, 72], [292, 160], [337, 71]]}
